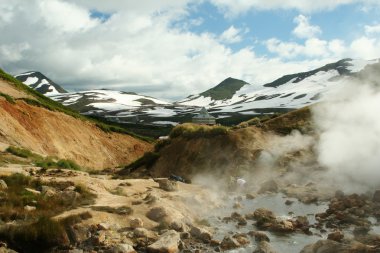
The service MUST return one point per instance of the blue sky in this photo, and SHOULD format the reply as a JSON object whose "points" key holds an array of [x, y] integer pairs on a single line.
{"points": [[172, 48]]}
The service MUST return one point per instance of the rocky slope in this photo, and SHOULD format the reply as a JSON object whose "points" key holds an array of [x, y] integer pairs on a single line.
{"points": [[40, 83], [27, 122]]}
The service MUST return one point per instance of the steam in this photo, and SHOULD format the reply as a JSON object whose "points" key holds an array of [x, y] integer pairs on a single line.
{"points": [[348, 123]]}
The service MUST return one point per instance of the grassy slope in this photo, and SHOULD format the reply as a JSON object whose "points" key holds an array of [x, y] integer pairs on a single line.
{"points": [[43, 101], [224, 90]]}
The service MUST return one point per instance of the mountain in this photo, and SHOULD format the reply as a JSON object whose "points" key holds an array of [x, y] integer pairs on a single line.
{"points": [[43, 126], [231, 101], [40, 83], [285, 93]]}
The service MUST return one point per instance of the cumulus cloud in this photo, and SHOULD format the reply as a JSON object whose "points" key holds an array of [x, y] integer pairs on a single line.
{"points": [[233, 8], [231, 35], [372, 29], [304, 29]]}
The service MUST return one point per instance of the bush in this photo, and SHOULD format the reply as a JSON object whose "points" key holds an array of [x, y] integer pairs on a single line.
{"points": [[68, 164], [21, 152], [197, 131]]}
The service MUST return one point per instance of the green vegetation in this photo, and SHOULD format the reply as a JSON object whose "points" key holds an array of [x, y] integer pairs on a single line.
{"points": [[7, 97], [197, 131], [44, 162], [224, 90], [147, 160], [47, 103], [21, 152], [122, 210]]}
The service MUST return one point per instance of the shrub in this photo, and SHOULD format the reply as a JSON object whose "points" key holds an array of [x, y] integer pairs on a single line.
{"points": [[197, 131], [21, 152], [68, 164]]}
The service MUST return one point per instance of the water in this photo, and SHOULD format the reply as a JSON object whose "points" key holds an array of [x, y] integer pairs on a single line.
{"points": [[291, 243]]}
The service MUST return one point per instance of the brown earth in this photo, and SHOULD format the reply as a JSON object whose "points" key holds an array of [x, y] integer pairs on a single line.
{"points": [[57, 134]]}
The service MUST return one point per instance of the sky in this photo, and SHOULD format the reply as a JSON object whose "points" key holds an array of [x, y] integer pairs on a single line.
{"points": [[170, 49]]}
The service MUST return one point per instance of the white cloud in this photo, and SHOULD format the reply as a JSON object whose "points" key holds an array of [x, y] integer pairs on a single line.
{"points": [[372, 29], [304, 29], [231, 35], [235, 7]]}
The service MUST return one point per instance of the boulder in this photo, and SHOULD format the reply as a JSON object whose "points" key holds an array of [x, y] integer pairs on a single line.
{"points": [[283, 226], [264, 247], [259, 236], [229, 243], [250, 196], [268, 186], [336, 236], [48, 191], [141, 232], [157, 213], [3, 185], [322, 246], [136, 223], [167, 185], [201, 233], [122, 248], [264, 217], [167, 243]]}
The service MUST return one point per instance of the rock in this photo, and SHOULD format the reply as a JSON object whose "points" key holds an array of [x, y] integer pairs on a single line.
{"points": [[322, 246], [264, 247], [3, 185], [157, 213], [250, 196], [141, 232], [283, 226], [136, 223], [201, 234], [48, 191], [178, 226], [259, 236], [78, 233], [151, 198], [237, 205], [103, 226], [268, 186], [336, 236], [242, 239], [361, 231], [69, 196], [376, 196], [122, 248], [167, 243], [35, 192], [29, 208], [167, 185], [229, 243], [264, 217], [288, 202]]}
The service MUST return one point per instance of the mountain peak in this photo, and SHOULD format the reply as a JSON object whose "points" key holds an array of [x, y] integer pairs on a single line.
{"points": [[224, 90], [38, 81]]}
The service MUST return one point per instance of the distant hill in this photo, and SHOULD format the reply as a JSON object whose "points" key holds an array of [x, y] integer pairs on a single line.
{"points": [[40, 83]]}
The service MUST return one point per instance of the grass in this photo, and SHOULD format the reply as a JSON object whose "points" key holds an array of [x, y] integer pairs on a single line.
{"points": [[44, 162], [8, 98], [197, 131], [224, 90], [16, 197], [49, 104]]}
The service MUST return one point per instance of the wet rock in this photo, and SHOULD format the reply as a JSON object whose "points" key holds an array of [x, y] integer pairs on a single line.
{"points": [[288, 202], [264, 217], [157, 213], [376, 196], [201, 233], [259, 236], [283, 226], [167, 243], [151, 198], [237, 205], [122, 248], [3, 185], [268, 186], [29, 208], [238, 218], [136, 223], [229, 243], [242, 239], [322, 246], [250, 196], [336, 236], [178, 226], [185, 235], [361, 231], [167, 185], [264, 247]]}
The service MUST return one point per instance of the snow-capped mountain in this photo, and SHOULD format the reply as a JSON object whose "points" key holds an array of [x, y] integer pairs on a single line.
{"points": [[230, 101], [288, 92], [40, 83]]}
